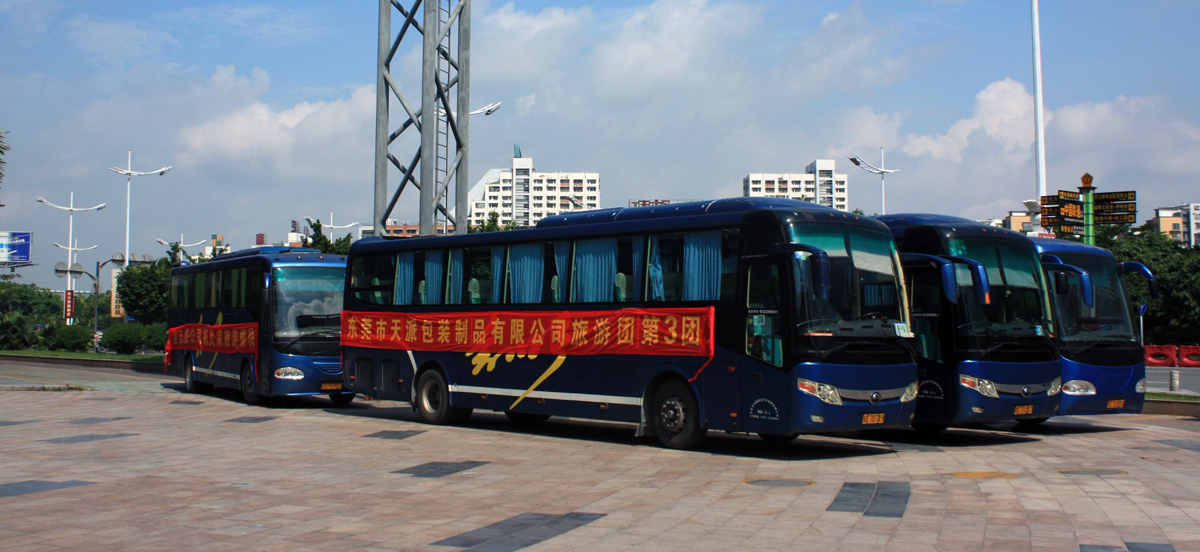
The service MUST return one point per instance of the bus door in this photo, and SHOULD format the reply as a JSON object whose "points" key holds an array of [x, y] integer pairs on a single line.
{"points": [[933, 329], [766, 386]]}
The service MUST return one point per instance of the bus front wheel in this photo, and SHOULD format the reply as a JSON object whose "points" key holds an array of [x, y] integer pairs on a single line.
{"points": [[433, 401], [676, 416], [341, 399], [248, 393]]}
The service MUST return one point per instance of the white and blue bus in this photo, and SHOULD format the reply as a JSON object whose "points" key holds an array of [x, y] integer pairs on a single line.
{"points": [[746, 315], [982, 320], [1103, 362], [265, 321]]}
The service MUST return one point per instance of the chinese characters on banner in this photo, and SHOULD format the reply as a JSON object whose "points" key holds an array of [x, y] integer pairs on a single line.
{"points": [[670, 332], [225, 338]]}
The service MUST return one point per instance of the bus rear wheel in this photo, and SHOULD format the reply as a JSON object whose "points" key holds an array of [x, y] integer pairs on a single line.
{"points": [[433, 401], [248, 393], [676, 416]]}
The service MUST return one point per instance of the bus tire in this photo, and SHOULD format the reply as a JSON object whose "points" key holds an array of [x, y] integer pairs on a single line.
{"points": [[928, 428], [341, 399], [433, 400], [190, 384], [773, 439], [676, 416], [526, 417], [247, 385], [1031, 422]]}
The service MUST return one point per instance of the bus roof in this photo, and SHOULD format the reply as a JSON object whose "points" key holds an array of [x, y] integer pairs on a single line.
{"points": [[945, 225], [268, 256], [632, 219], [1050, 245]]}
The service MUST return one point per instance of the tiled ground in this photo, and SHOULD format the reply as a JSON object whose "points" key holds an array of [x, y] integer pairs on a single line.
{"points": [[105, 470]]}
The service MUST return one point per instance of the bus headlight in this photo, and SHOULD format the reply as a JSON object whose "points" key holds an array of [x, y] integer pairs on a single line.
{"points": [[289, 373], [1141, 386], [1055, 387], [910, 392], [1079, 387], [986, 388], [827, 393]]}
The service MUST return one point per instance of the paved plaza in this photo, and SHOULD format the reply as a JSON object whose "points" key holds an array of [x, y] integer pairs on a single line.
{"points": [[136, 465]]}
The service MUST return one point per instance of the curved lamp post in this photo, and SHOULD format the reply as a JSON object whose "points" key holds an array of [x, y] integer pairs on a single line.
{"points": [[182, 251], [129, 174], [71, 208], [882, 172]]}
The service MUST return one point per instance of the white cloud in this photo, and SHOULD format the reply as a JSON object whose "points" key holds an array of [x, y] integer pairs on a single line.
{"points": [[846, 52], [264, 23], [511, 46], [1003, 115], [28, 19], [113, 42]]}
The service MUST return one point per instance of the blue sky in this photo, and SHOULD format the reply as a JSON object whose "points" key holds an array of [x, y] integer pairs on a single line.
{"points": [[266, 109]]}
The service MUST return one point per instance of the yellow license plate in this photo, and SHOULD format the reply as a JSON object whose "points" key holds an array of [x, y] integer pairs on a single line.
{"points": [[327, 386], [1023, 409], [873, 418], [1116, 403]]}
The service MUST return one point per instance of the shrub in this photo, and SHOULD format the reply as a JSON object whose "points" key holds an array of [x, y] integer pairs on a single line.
{"points": [[16, 333], [71, 338], [123, 338], [155, 337]]}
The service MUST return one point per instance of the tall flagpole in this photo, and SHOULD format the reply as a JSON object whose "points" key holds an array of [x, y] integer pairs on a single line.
{"points": [[1039, 133]]}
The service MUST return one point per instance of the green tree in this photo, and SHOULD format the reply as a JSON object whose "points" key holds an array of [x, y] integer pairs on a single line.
{"points": [[492, 225], [1173, 318], [154, 336], [320, 242], [16, 333], [67, 338], [143, 291], [91, 305], [39, 305]]}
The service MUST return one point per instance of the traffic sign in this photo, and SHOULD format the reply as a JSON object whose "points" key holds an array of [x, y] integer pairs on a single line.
{"points": [[1117, 218], [1109, 197]]}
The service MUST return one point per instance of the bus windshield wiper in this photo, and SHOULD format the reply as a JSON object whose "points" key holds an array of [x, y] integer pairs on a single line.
{"points": [[322, 333], [825, 353], [996, 347]]}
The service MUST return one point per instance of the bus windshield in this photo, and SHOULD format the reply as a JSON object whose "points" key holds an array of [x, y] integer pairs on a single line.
{"points": [[1017, 302], [308, 301], [1109, 319], [865, 292]]}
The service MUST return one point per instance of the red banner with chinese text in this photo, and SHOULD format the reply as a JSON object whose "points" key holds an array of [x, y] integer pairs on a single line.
{"points": [[669, 332], [224, 338]]}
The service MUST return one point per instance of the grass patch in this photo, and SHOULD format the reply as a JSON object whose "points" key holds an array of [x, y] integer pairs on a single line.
{"points": [[1172, 397], [156, 358]]}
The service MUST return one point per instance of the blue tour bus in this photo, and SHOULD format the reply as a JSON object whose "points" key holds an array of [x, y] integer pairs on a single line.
{"points": [[1103, 362], [265, 321], [748, 315], [982, 321]]}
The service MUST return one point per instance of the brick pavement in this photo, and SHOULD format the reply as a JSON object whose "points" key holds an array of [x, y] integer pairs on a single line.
{"points": [[167, 471]]}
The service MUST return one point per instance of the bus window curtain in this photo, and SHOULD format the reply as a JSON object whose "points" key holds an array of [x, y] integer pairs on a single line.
{"points": [[701, 265], [497, 274], [655, 291], [433, 278], [595, 270], [527, 263], [562, 263], [404, 279], [456, 281], [639, 267]]}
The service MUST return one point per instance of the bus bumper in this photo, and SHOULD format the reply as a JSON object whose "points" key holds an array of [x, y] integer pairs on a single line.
{"points": [[816, 416], [1115, 389], [299, 375]]}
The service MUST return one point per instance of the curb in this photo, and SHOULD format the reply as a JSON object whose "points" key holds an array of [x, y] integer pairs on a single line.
{"points": [[137, 366], [1171, 408], [64, 387]]}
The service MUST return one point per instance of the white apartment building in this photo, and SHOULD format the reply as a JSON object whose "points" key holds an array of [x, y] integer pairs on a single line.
{"points": [[1180, 223], [820, 184], [523, 196]]}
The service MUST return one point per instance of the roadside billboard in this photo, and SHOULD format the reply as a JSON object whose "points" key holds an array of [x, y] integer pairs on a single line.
{"points": [[14, 247]]}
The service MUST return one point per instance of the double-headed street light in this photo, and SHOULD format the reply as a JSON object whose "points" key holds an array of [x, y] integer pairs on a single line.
{"points": [[71, 208], [182, 251], [129, 174], [882, 172]]}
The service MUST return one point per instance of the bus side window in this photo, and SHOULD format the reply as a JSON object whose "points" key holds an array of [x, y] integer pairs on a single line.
{"points": [[454, 278], [559, 288], [200, 297], [478, 274], [701, 274], [763, 320], [926, 289], [630, 268], [527, 272], [214, 290], [730, 245], [595, 270], [372, 278], [664, 281]]}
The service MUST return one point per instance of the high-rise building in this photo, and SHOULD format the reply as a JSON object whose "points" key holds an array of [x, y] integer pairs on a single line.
{"points": [[522, 196], [820, 184], [1180, 223]]}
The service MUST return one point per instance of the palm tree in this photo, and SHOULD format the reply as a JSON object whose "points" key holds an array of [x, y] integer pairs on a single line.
{"points": [[15, 332]]}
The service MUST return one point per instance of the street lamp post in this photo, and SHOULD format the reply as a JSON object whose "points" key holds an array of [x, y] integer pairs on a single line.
{"points": [[71, 208], [182, 251], [129, 174], [882, 172]]}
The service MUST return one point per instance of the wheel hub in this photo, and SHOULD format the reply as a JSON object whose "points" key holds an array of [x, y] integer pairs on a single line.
{"points": [[672, 414]]}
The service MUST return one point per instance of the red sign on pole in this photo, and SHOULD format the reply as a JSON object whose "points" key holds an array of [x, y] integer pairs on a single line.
{"points": [[69, 304]]}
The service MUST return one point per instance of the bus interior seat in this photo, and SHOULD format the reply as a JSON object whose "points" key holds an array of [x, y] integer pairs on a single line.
{"points": [[377, 294], [554, 287], [671, 290], [421, 293], [622, 287]]}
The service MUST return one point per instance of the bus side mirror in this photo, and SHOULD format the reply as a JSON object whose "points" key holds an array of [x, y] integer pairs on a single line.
{"points": [[979, 278], [1130, 267], [1060, 281], [945, 268], [820, 264]]}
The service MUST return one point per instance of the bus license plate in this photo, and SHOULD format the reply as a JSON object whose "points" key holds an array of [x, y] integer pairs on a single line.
{"points": [[873, 418], [1023, 409], [327, 386], [1116, 403]]}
